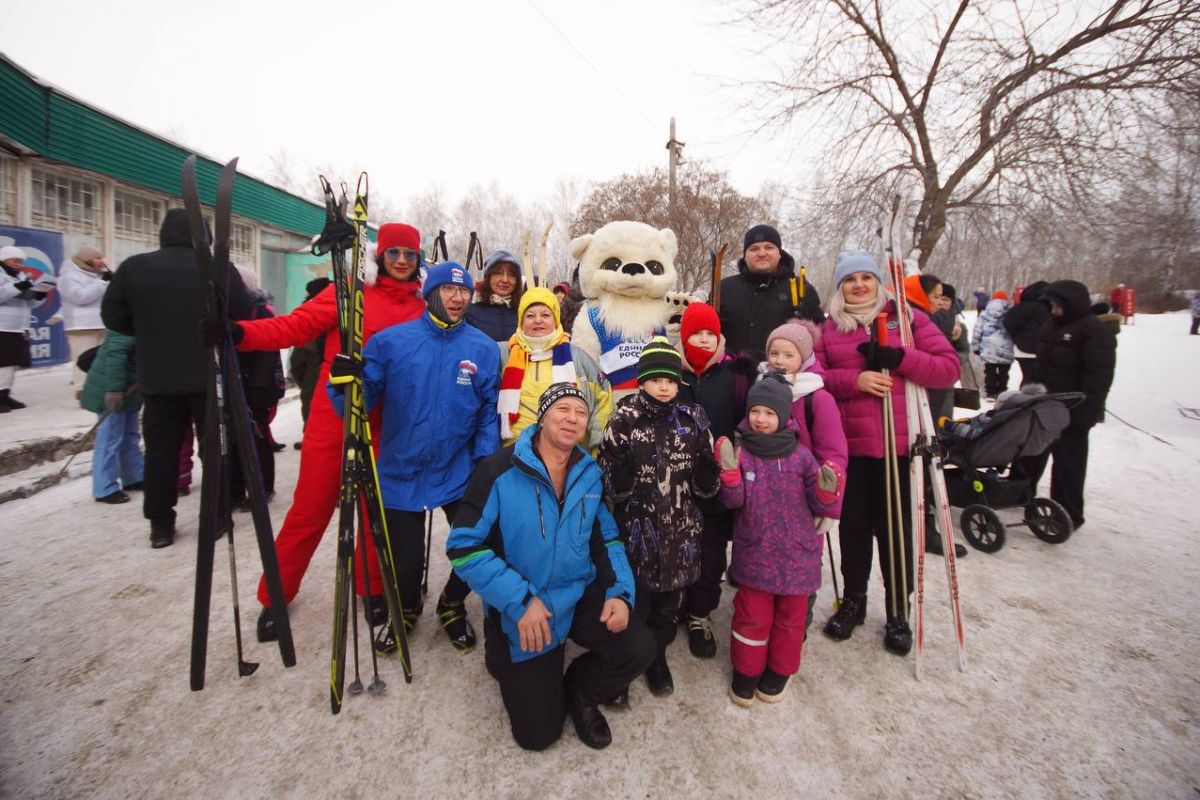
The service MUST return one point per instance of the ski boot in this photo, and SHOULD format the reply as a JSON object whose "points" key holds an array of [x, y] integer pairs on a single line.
{"points": [[453, 616], [897, 636], [850, 614], [385, 638], [162, 534], [701, 642], [266, 626], [377, 611]]}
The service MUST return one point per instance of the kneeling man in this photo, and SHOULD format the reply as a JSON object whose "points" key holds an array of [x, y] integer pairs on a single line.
{"points": [[534, 539]]}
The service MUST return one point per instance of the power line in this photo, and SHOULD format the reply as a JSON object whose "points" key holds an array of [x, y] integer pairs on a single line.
{"points": [[612, 84]]}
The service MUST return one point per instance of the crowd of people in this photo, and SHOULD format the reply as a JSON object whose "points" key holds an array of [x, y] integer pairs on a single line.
{"points": [[573, 516]]}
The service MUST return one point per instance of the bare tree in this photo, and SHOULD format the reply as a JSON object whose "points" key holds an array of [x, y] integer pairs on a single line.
{"points": [[710, 212], [951, 102]]}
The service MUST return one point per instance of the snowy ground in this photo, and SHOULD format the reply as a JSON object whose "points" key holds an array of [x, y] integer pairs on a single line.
{"points": [[1083, 677]]}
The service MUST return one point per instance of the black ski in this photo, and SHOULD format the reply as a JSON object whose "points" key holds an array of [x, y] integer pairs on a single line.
{"points": [[225, 404]]}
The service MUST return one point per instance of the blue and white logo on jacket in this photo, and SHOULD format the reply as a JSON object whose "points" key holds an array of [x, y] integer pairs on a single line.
{"points": [[467, 370]]}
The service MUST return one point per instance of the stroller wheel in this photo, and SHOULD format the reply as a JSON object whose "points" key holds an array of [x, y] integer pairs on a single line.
{"points": [[1048, 520], [983, 529]]}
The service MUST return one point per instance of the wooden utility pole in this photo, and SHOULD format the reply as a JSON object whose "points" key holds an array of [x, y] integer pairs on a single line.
{"points": [[674, 148]]}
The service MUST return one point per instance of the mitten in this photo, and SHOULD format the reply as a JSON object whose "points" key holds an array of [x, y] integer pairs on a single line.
{"points": [[726, 456], [344, 369], [623, 475], [880, 356], [23, 286], [114, 400], [106, 276], [830, 480]]}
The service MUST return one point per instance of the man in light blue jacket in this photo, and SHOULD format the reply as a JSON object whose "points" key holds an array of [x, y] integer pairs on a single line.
{"points": [[534, 539]]}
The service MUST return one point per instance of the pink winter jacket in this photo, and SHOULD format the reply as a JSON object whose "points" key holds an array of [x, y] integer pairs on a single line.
{"points": [[932, 363]]}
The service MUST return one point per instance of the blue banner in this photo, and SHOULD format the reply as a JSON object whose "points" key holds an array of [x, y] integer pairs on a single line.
{"points": [[43, 254]]}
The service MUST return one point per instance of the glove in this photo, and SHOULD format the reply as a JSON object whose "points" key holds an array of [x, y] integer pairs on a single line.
{"points": [[824, 524], [344, 369], [23, 285], [830, 480], [727, 457], [880, 356], [623, 475], [114, 400], [106, 276], [213, 331]]}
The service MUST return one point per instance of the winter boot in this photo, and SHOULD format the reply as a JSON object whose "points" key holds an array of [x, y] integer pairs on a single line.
{"points": [[162, 534], [658, 677], [115, 498], [700, 637], [741, 690], [933, 544], [897, 636], [377, 610], [621, 701], [590, 723], [453, 616], [771, 686], [851, 613], [266, 626], [385, 637], [7, 400]]}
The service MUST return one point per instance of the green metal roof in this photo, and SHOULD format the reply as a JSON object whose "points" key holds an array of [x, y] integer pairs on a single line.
{"points": [[45, 121]]}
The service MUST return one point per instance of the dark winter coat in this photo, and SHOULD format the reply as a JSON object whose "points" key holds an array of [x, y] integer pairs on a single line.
{"points": [[776, 547], [1024, 321], [666, 449], [1077, 352], [499, 322], [513, 540], [262, 371], [159, 299], [753, 305], [305, 366], [113, 370]]}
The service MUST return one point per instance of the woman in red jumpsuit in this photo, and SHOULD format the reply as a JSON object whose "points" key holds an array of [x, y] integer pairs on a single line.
{"points": [[392, 295]]}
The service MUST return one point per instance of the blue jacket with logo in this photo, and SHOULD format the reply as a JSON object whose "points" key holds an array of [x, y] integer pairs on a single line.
{"points": [[513, 540], [438, 387]]}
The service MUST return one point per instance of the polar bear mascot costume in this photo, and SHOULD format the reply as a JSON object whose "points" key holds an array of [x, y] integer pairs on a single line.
{"points": [[625, 271]]}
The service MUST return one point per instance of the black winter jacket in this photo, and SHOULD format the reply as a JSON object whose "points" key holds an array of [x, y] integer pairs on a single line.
{"points": [[1077, 352], [754, 305], [498, 321], [1024, 321], [159, 299]]}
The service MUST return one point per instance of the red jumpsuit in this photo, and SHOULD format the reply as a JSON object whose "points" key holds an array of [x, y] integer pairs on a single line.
{"points": [[386, 303]]}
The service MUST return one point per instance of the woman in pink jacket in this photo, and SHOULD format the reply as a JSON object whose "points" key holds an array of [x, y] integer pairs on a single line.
{"points": [[854, 366]]}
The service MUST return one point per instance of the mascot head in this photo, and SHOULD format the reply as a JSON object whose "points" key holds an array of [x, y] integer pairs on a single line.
{"points": [[627, 259]]}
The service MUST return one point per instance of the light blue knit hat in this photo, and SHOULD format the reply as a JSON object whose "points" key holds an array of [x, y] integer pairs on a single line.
{"points": [[852, 261]]}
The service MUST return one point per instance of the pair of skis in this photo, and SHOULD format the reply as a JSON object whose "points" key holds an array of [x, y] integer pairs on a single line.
{"points": [[924, 454], [225, 410], [360, 481]]}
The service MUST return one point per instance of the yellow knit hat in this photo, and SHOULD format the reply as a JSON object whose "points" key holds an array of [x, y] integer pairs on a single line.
{"points": [[539, 294]]}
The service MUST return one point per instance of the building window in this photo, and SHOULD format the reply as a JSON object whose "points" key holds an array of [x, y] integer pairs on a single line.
{"points": [[67, 203], [8, 190], [241, 245], [136, 216]]}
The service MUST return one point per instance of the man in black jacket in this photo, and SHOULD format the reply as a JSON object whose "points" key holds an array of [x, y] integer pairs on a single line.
{"points": [[159, 299], [1024, 323], [1076, 352], [759, 298]]}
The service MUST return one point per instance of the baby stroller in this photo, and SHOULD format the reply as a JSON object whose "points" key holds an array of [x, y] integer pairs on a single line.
{"points": [[984, 472]]}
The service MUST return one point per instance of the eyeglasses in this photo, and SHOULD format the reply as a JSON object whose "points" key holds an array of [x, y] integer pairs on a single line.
{"points": [[398, 253]]}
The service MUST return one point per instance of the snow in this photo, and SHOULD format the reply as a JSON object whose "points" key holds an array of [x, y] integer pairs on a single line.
{"points": [[1082, 676]]}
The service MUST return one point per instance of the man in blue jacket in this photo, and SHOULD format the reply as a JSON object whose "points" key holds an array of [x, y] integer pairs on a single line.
{"points": [[534, 539], [438, 380]]}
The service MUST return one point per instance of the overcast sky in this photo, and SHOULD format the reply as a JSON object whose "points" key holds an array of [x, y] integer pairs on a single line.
{"points": [[432, 93]]}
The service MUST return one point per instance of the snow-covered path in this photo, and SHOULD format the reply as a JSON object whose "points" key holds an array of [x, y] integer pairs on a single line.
{"points": [[1083, 677]]}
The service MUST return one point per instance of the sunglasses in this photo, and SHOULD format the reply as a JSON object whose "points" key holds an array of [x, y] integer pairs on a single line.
{"points": [[403, 253]]}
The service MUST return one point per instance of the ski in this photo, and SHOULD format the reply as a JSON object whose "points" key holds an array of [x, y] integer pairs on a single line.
{"points": [[925, 454], [359, 491], [226, 403]]}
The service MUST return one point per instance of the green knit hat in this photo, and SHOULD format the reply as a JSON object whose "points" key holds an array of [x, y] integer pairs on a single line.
{"points": [[659, 359]]}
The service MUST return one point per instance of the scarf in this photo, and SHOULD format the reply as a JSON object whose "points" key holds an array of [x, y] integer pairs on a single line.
{"points": [[802, 382], [555, 346], [863, 313], [497, 300], [700, 359], [780, 444]]}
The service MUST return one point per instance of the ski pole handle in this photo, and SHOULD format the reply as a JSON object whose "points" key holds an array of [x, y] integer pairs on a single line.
{"points": [[881, 331]]}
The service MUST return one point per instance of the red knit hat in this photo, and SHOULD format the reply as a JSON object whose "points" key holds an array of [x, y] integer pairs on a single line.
{"points": [[1000, 295], [698, 317], [397, 234]]}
